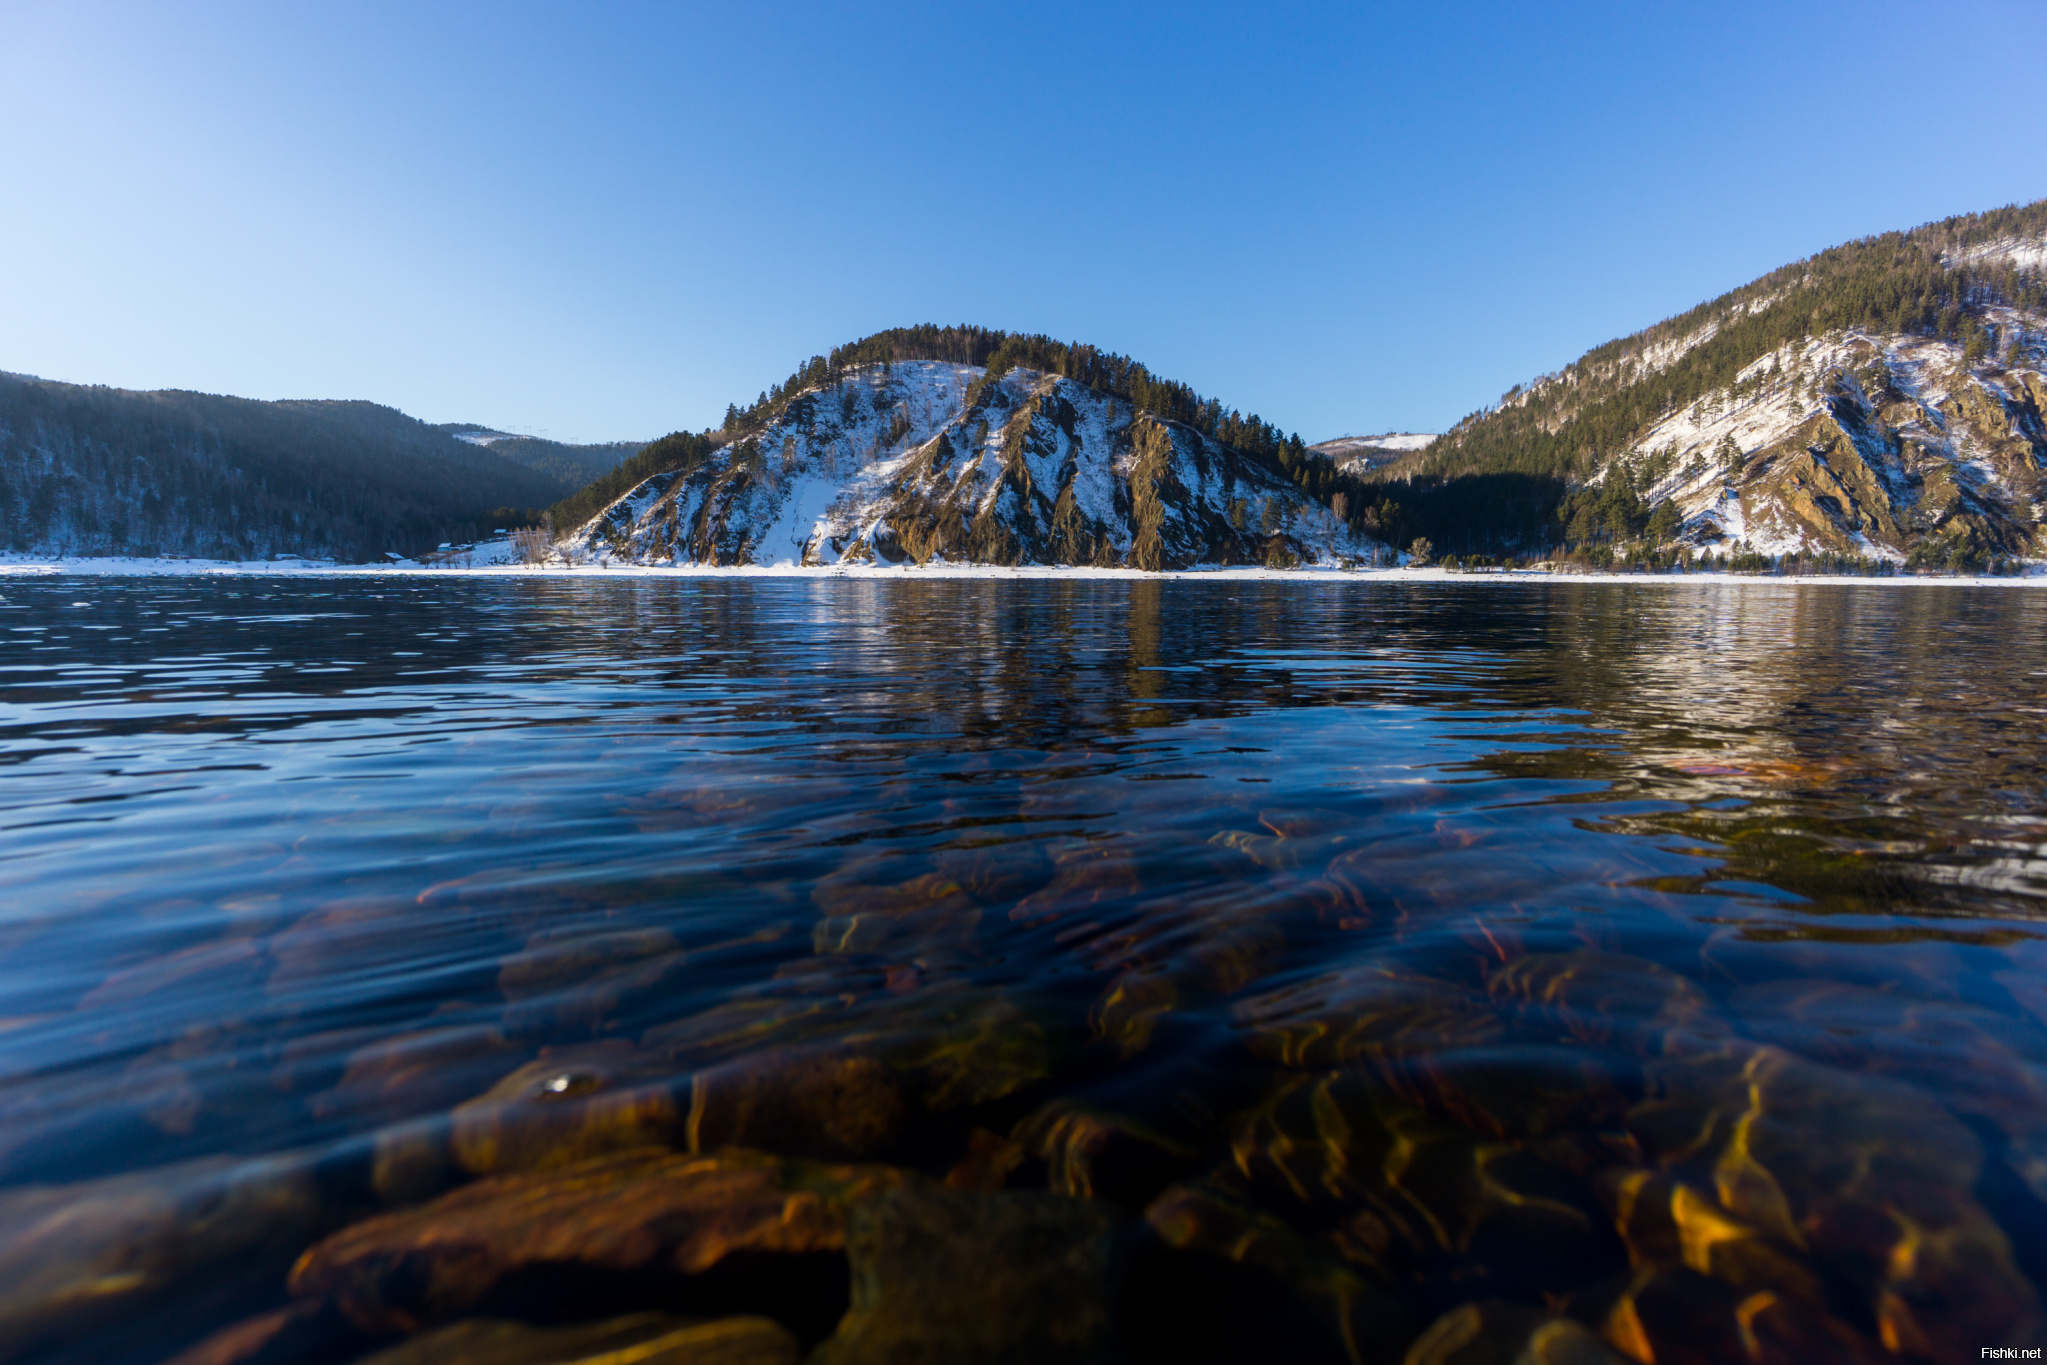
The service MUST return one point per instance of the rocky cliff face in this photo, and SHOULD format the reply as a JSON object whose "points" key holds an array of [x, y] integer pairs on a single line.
{"points": [[1864, 443], [1881, 398], [933, 462]]}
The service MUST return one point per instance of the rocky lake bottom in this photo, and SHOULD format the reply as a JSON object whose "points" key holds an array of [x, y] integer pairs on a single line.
{"points": [[514, 970]]}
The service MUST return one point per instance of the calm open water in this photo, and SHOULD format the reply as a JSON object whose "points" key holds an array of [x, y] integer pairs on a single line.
{"points": [[1367, 969]]}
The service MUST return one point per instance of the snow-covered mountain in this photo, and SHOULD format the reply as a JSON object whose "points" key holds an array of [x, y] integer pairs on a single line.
{"points": [[1356, 454], [929, 460], [1884, 398], [1862, 442]]}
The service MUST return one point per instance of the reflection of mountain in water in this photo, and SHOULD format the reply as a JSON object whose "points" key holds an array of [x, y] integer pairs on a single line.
{"points": [[1840, 716]]}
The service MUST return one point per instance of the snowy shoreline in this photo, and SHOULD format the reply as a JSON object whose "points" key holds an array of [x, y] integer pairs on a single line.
{"points": [[17, 566]]}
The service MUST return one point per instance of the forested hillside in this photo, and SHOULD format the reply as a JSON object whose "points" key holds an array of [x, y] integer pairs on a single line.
{"points": [[994, 353], [1882, 398], [94, 470], [1044, 454]]}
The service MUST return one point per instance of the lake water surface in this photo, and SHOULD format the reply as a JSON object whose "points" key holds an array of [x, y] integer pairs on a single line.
{"points": [[1212, 970]]}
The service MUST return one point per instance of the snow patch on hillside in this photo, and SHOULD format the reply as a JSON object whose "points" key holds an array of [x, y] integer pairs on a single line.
{"points": [[1356, 454], [1904, 395], [2026, 253]]}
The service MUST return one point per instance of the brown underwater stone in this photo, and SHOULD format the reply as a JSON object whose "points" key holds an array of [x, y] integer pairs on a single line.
{"points": [[417, 1072], [573, 981], [1870, 1181], [1362, 1013], [956, 1277], [1603, 999], [812, 1102], [568, 1105], [651, 1209], [1092, 1154], [291, 1335], [1673, 1316], [1411, 1189], [1497, 1333], [1202, 1218], [640, 1339], [72, 1255]]}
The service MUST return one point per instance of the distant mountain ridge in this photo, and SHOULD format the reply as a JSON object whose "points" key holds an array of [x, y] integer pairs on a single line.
{"points": [[570, 465], [91, 470], [1882, 399], [1356, 454]]}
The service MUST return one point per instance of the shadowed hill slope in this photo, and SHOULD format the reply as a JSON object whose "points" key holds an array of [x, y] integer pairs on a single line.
{"points": [[96, 470]]}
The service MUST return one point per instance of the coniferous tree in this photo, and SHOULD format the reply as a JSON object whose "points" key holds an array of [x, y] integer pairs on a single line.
{"points": [[1664, 522]]}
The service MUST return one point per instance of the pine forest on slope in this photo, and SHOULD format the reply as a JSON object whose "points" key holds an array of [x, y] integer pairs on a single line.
{"points": [[966, 444], [1881, 400], [95, 470], [922, 460]]}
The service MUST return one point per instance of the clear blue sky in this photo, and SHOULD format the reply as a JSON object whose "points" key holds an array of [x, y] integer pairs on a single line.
{"points": [[603, 221]]}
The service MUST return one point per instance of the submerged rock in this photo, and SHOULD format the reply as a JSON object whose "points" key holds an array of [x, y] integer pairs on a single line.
{"points": [[634, 1211], [927, 912], [568, 1105], [638, 1339], [74, 1256], [1353, 1311], [1416, 1193], [417, 1072], [1603, 999], [1976, 1060], [955, 1277], [1364, 1012], [297, 1334], [965, 1049], [1867, 1180], [1173, 958], [582, 979], [1496, 1333], [1666, 1222], [825, 1103], [1090, 1154], [1675, 1317]]}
